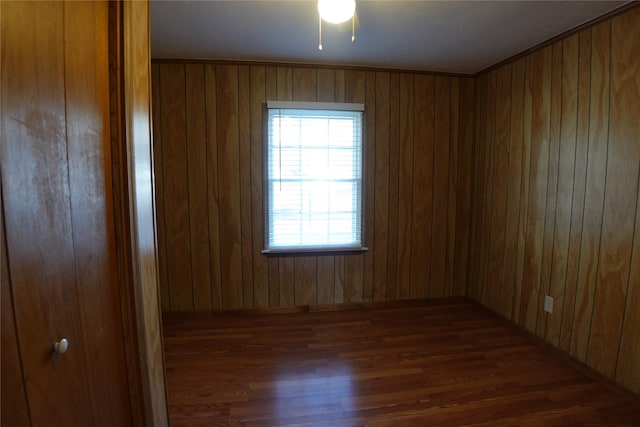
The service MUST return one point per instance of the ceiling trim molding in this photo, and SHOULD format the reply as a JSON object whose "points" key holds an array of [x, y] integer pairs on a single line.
{"points": [[617, 11], [306, 65]]}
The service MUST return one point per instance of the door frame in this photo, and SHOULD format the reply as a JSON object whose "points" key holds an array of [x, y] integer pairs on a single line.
{"points": [[134, 209]]}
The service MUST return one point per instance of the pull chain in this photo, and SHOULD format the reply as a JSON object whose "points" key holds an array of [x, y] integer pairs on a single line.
{"points": [[319, 31], [353, 28]]}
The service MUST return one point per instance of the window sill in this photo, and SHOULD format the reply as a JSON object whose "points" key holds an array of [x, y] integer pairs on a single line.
{"points": [[320, 251]]}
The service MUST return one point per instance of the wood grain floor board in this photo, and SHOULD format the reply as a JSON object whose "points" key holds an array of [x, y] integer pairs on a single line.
{"points": [[447, 364]]}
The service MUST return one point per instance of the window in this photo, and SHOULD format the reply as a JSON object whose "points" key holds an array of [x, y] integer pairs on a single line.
{"points": [[313, 191]]}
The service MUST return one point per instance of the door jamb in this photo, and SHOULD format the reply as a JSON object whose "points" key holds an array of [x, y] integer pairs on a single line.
{"points": [[134, 206]]}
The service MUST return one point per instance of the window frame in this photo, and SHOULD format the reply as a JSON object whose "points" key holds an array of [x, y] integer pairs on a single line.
{"points": [[317, 249]]}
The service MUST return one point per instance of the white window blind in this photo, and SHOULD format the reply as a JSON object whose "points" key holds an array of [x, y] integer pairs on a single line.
{"points": [[314, 177]]}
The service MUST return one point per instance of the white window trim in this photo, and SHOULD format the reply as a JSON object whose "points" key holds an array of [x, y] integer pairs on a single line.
{"points": [[295, 105], [313, 249]]}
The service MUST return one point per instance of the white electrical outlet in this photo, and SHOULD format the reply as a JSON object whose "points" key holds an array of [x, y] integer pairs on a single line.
{"points": [[548, 304]]}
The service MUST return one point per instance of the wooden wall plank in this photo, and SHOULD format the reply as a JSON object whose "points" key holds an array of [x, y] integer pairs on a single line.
{"points": [[353, 278], [175, 171], [325, 88], [478, 188], [552, 183], [523, 217], [594, 195], [213, 193], [305, 82], [340, 82], [159, 190], [580, 176], [286, 279], [338, 279], [628, 367], [325, 279], [284, 83], [464, 186], [423, 142], [244, 151], [305, 275], [381, 185], [514, 194], [565, 185], [394, 160], [260, 262], [539, 159], [229, 185], [502, 117], [621, 189], [197, 190], [452, 199], [487, 181], [439, 209], [405, 184]]}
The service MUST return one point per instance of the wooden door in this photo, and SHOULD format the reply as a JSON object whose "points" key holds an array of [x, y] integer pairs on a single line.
{"points": [[58, 213]]}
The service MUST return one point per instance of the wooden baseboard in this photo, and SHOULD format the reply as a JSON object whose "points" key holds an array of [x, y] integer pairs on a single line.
{"points": [[574, 362], [316, 308]]}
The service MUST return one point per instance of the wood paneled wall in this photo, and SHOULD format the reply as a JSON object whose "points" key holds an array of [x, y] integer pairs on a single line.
{"points": [[555, 198], [208, 130]]}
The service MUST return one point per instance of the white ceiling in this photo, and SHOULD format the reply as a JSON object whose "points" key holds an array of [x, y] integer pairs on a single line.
{"points": [[448, 36]]}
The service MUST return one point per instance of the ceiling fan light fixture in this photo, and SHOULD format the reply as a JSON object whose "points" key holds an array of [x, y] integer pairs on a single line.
{"points": [[336, 11]]}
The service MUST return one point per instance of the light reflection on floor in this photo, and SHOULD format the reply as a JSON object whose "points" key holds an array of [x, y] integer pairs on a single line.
{"points": [[314, 392]]}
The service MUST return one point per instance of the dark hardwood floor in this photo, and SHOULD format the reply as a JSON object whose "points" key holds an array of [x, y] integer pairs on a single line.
{"points": [[447, 364]]}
